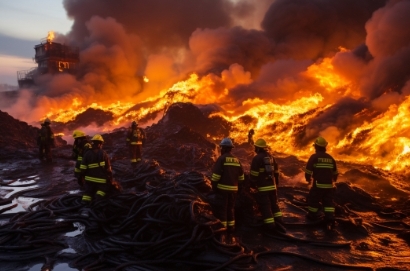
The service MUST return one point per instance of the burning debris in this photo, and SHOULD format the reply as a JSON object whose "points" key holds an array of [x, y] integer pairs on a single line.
{"points": [[163, 217]]}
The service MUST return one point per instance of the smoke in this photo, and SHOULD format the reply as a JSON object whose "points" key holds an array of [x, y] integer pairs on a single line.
{"points": [[308, 29], [159, 23]]}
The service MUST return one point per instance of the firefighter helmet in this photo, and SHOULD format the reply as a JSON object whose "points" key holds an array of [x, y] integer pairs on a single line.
{"points": [[47, 120], [261, 143], [226, 142], [134, 123], [78, 133], [97, 138], [321, 142]]}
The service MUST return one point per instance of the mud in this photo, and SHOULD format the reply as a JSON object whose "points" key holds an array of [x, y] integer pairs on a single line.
{"points": [[162, 220]]}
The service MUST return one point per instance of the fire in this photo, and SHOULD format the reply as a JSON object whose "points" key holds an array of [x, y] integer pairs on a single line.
{"points": [[50, 36], [382, 141]]}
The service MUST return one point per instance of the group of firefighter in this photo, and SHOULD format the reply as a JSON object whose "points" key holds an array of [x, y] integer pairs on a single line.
{"points": [[228, 175], [93, 173]]}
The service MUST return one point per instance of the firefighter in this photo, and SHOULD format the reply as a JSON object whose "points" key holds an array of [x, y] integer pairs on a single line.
{"points": [[135, 139], [227, 175], [250, 136], [265, 177], [45, 141], [96, 171], [321, 168], [80, 146]]}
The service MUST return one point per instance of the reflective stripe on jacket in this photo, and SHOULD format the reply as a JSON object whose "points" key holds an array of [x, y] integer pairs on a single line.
{"points": [[322, 167], [227, 172], [259, 167], [96, 166]]}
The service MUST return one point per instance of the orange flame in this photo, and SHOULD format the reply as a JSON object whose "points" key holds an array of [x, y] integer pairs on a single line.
{"points": [[383, 141], [50, 36]]}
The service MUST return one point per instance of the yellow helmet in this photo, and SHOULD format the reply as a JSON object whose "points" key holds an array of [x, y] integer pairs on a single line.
{"points": [[97, 138], [321, 142], [78, 133], [261, 143]]}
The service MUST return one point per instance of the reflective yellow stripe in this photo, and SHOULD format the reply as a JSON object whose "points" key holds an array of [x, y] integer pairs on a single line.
{"points": [[312, 209], [262, 170], [232, 164], [83, 167], [242, 177], [323, 165], [278, 214], [136, 143], [224, 223], [101, 193], [79, 158], [254, 173], [133, 160], [329, 209], [215, 177], [268, 220], [227, 187], [77, 170], [86, 198], [266, 188], [94, 165], [231, 223], [307, 171], [324, 185], [96, 180]]}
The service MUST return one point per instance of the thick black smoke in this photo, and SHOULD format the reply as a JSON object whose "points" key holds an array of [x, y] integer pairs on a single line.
{"points": [[159, 23], [308, 29]]}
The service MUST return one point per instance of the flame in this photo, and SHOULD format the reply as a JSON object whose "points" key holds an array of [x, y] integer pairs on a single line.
{"points": [[50, 36], [382, 141]]}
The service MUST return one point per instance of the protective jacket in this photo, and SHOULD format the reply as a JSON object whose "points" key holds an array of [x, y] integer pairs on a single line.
{"points": [[227, 173], [322, 167], [264, 171], [135, 136], [45, 136], [96, 166], [81, 149]]}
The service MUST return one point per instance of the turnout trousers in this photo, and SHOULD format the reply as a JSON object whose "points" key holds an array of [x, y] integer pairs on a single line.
{"points": [[268, 206], [136, 153], [225, 208], [45, 152], [94, 190], [322, 196]]}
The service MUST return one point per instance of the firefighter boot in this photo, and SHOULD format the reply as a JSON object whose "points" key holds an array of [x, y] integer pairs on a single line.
{"points": [[230, 235], [221, 237]]}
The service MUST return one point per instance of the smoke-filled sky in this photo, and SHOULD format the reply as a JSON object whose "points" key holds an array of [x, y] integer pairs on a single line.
{"points": [[23, 24], [352, 55]]}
